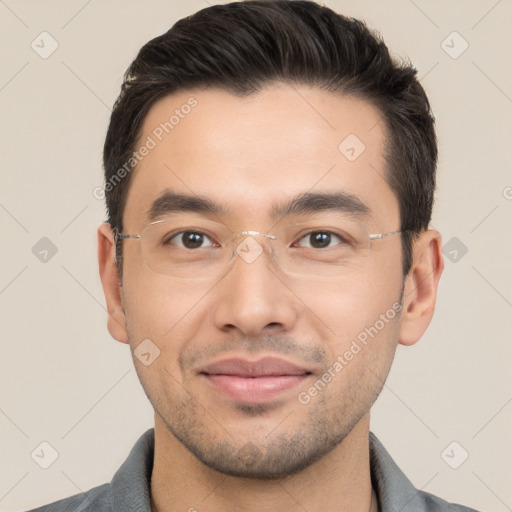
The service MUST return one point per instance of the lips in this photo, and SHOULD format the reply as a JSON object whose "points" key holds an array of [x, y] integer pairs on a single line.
{"points": [[266, 367], [253, 381]]}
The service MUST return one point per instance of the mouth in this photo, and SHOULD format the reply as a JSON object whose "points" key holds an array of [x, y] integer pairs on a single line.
{"points": [[254, 382]]}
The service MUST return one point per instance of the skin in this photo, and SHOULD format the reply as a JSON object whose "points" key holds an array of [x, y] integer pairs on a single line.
{"points": [[211, 452]]}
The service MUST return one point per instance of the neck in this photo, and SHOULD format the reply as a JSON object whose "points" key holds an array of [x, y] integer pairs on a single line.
{"points": [[338, 481]]}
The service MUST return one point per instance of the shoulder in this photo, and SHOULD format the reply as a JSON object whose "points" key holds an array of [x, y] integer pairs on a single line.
{"points": [[432, 503], [94, 500], [128, 490], [396, 492]]}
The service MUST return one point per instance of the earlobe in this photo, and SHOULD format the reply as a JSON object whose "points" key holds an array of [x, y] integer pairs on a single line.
{"points": [[421, 287], [111, 284]]}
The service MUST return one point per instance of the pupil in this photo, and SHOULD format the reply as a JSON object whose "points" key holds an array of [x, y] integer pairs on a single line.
{"points": [[192, 240], [320, 240]]}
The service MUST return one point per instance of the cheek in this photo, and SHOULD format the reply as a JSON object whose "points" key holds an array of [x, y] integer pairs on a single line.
{"points": [[360, 313], [340, 305], [362, 354], [161, 310]]}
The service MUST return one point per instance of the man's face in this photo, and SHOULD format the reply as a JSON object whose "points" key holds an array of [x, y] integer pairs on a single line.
{"points": [[248, 155]]}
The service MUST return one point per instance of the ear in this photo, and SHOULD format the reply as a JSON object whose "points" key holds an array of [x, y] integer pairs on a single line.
{"points": [[421, 287], [111, 284]]}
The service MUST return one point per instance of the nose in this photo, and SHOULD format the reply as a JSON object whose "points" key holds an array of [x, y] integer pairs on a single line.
{"points": [[254, 297]]}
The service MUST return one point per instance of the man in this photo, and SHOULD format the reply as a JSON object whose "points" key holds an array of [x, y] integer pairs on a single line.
{"points": [[269, 179]]}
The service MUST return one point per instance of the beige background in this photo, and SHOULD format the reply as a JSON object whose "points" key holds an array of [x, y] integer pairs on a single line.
{"points": [[65, 381]]}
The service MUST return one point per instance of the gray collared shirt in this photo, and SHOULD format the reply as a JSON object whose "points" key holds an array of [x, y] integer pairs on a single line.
{"points": [[129, 489]]}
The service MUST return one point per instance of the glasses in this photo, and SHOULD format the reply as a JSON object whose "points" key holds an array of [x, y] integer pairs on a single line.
{"points": [[199, 249]]}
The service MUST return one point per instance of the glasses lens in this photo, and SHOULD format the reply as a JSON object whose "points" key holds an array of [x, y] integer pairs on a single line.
{"points": [[200, 249], [329, 247], [186, 248]]}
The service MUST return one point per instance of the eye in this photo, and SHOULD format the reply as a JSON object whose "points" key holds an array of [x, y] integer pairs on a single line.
{"points": [[320, 240], [190, 240]]}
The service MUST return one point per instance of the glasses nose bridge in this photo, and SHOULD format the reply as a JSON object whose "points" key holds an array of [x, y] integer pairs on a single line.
{"points": [[243, 234], [255, 247]]}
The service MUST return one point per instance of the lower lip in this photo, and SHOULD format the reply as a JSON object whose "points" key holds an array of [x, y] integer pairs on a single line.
{"points": [[254, 390]]}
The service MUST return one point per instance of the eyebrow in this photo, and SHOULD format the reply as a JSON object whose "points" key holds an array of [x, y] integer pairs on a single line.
{"points": [[312, 202], [170, 202], [301, 204]]}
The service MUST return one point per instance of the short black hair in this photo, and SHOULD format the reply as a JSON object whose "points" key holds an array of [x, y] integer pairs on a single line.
{"points": [[243, 46]]}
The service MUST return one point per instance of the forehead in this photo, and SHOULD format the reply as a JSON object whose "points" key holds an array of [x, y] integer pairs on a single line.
{"points": [[250, 153]]}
